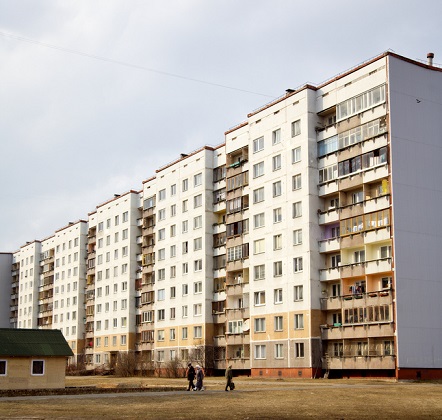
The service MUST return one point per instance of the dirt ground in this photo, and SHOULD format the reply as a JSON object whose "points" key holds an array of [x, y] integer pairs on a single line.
{"points": [[252, 399]]}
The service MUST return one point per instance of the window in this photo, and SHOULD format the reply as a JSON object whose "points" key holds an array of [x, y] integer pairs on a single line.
{"points": [[260, 298], [260, 325], [197, 201], [197, 309], [161, 254], [161, 314], [298, 293], [277, 215], [258, 220], [184, 333], [172, 313], [185, 268], [198, 179], [279, 351], [172, 231], [299, 350], [258, 169], [297, 237], [172, 333], [162, 214], [234, 327], [198, 332], [276, 162], [125, 234], [185, 206], [197, 244], [117, 220], [185, 184], [277, 294], [198, 222], [296, 128], [197, 265], [173, 189], [259, 272], [359, 256], [297, 264], [161, 274], [296, 182], [185, 288], [259, 246], [297, 209], [173, 292], [160, 335], [277, 189], [38, 367], [278, 323], [276, 136], [258, 195], [198, 287], [299, 321], [3, 367], [161, 294], [173, 210], [388, 348], [258, 144], [172, 271], [260, 351], [277, 242], [296, 154], [185, 226], [385, 252]]}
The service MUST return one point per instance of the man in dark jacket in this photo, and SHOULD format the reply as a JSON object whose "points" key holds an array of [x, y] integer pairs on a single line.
{"points": [[229, 377], [190, 374]]}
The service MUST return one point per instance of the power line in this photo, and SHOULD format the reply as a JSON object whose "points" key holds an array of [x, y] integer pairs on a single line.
{"points": [[125, 64]]}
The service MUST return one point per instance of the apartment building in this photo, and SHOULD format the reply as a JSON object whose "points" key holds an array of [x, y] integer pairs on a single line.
{"points": [[306, 244]]}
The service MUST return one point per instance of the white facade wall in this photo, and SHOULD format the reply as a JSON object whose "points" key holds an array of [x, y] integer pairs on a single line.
{"points": [[115, 272], [416, 155], [70, 245], [183, 246]]}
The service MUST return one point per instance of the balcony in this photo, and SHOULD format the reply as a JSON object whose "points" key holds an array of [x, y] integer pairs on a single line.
{"points": [[237, 313], [328, 216], [357, 331], [378, 266], [360, 362], [329, 274], [219, 341], [376, 173], [329, 245], [328, 188], [237, 339], [239, 363], [377, 235], [219, 317]]}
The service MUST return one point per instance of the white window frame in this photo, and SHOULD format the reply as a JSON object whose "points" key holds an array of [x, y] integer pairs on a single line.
{"points": [[258, 144]]}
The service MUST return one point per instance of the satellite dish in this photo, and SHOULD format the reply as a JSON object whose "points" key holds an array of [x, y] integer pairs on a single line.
{"points": [[246, 325]]}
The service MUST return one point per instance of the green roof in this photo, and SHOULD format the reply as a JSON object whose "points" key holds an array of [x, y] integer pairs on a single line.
{"points": [[27, 342]]}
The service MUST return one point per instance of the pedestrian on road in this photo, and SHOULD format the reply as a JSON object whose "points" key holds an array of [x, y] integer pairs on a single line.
{"points": [[190, 374], [229, 377]]}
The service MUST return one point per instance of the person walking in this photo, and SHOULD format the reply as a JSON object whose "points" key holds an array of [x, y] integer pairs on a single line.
{"points": [[190, 374], [199, 378], [229, 377]]}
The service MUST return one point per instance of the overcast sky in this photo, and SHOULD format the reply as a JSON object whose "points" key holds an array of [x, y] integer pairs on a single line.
{"points": [[97, 94]]}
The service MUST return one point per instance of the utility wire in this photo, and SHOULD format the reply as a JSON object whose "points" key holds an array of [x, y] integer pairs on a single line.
{"points": [[122, 63]]}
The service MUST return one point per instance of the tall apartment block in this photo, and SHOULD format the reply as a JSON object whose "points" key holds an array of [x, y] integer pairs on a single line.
{"points": [[307, 244]]}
